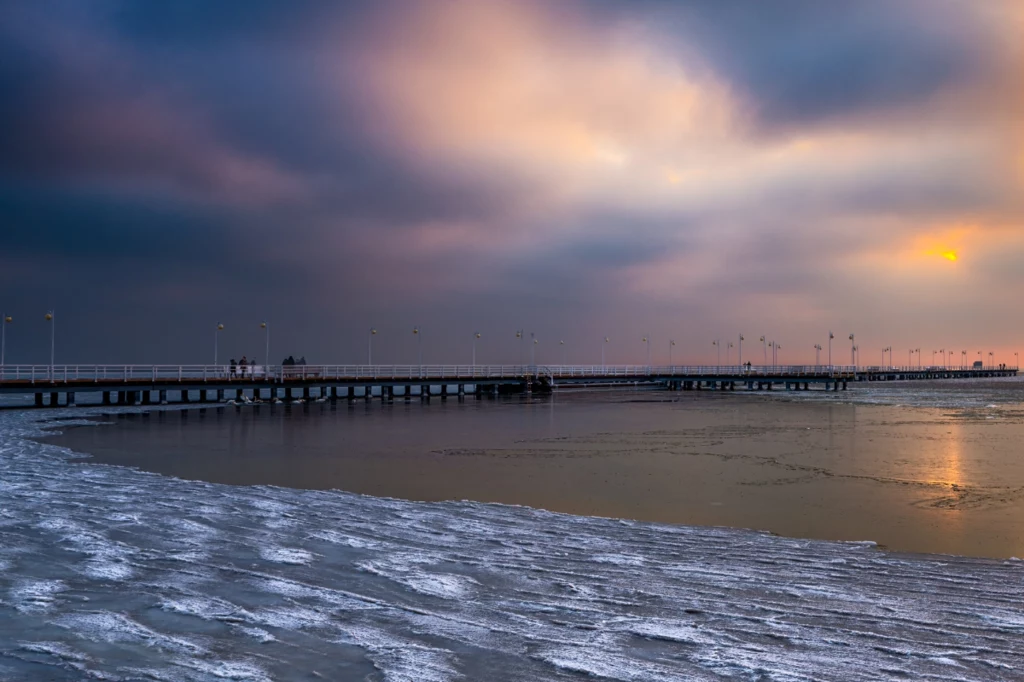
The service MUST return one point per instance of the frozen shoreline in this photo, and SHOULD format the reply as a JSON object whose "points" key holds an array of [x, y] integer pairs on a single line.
{"points": [[114, 573]]}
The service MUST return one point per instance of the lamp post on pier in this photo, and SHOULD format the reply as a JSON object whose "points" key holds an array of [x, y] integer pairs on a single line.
{"points": [[963, 359], [49, 317], [519, 335], [265, 326], [817, 355], [728, 354], [718, 348], [419, 346], [765, 344], [605, 343], [647, 341], [830, 337], [476, 337], [216, 340], [918, 351], [369, 345], [671, 344], [533, 351], [991, 359], [562, 344], [853, 350], [7, 319]]}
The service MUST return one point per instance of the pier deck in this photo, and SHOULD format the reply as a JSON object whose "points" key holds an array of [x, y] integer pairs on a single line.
{"points": [[131, 384]]}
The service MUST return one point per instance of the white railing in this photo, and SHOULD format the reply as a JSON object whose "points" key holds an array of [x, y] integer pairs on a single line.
{"points": [[66, 374]]}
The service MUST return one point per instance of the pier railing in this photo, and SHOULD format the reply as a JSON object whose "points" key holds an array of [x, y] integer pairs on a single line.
{"points": [[65, 374]]}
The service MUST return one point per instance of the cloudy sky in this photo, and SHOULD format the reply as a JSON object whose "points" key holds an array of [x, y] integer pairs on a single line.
{"points": [[686, 169]]}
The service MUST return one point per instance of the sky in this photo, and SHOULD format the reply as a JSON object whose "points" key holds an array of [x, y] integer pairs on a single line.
{"points": [[680, 170]]}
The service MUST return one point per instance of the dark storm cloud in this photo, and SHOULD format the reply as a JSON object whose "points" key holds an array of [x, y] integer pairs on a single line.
{"points": [[805, 61], [230, 159]]}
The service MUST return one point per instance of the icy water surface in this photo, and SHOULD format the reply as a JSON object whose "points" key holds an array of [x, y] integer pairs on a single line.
{"points": [[116, 574], [940, 471]]}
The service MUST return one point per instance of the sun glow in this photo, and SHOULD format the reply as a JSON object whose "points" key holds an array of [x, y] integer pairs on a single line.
{"points": [[949, 255]]}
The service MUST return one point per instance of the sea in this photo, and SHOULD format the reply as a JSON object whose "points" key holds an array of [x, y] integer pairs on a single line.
{"points": [[120, 564]]}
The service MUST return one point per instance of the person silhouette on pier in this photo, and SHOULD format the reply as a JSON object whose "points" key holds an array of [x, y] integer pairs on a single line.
{"points": [[241, 366], [234, 367]]}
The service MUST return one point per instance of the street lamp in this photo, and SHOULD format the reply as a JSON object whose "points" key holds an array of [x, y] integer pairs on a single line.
{"points": [[728, 354], [853, 349], [562, 344], [647, 340], [918, 351], [476, 337], [533, 351], [602, 351], [817, 354], [740, 361], [765, 350], [3, 337], [943, 352], [963, 359], [266, 327], [53, 325], [830, 337], [671, 344], [991, 359], [419, 347], [718, 348], [885, 350], [369, 345], [216, 339], [519, 335]]}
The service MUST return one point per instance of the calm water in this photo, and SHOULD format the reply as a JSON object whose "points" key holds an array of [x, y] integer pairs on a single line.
{"points": [[926, 467]]}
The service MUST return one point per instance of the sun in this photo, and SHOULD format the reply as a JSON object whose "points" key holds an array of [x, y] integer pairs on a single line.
{"points": [[949, 255]]}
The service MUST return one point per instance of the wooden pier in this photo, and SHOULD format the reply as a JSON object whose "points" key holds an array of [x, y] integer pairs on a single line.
{"points": [[160, 384]]}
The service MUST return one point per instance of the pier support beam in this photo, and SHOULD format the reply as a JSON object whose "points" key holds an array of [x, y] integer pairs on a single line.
{"points": [[239, 394], [39, 399], [147, 397], [424, 392], [391, 394], [71, 399], [163, 397], [351, 392], [305, 392], [444, 391], [184, 397], [106, 397]]}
